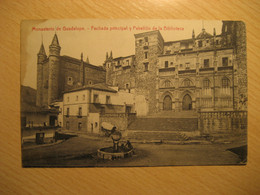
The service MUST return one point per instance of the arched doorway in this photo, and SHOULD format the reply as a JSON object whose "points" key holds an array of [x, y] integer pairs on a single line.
{"points": [[186, 102], [167, 103]]}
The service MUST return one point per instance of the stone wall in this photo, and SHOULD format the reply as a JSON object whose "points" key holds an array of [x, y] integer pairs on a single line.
{"points": [[69, 69], [71, 123], [94, 74], [226, 122]]}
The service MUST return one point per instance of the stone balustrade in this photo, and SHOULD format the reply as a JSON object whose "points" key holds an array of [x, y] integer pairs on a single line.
{"points": [[222, 121]]}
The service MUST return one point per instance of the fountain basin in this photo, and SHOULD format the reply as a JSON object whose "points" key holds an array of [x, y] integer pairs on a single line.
{"points": [[107, 153]]}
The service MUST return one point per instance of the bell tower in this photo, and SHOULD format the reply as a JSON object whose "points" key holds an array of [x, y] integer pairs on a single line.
{"points": [[41, 58], [54, 63]]}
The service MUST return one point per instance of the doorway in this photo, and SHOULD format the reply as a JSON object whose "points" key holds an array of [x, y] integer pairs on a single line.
{"points": [[187, 102], [167, 103], [53, 121]]}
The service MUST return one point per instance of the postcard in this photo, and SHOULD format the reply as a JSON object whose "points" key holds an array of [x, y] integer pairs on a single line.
{"points": [[123, 93]]}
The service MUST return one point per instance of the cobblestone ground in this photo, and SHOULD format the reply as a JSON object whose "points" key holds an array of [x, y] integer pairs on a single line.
{"points": [[79, 151]]}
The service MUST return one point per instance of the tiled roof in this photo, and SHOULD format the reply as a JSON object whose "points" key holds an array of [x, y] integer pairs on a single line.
{"points": [[77, 61], [98, 86]]}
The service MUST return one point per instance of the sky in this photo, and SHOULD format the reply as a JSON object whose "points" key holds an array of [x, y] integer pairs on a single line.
{"points": [[94, 37]]}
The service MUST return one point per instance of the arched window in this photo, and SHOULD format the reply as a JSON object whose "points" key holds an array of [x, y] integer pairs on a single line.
{"points": [[225, 82], [206, 83]]}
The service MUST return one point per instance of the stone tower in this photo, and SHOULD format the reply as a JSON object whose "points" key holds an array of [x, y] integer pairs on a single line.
{"points": [[148, 46], [108, 66], [54, 63], [41, 58], [237, 32]]}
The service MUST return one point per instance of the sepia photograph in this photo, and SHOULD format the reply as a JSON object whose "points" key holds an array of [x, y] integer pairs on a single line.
{"points": [[131, 93]]}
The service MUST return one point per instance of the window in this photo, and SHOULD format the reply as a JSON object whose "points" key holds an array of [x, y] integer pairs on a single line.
{"points": [[96, 98], [187, 66], [140, 42], [108, 99], [96, 124], [70, 81], [206, 83], [126, 85], [145, 55], [68, 99], [186, 83], [200, 43], [225, 61], [83, 98], [118, 62], [146, 66], [166, 64], [206, 63], [127, 62], [146, 39], [225, 83], [167, 83], [68, 111], [79, 126], [77, 98], [80, 111], [217, 42], [92, 127]]}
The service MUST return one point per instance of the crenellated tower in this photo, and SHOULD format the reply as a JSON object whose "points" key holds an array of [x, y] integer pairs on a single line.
{"points": [[54, 63], [41, 57]]}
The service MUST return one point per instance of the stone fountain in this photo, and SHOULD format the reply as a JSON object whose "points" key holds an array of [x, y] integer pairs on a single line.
{"points": [[116, 151]]}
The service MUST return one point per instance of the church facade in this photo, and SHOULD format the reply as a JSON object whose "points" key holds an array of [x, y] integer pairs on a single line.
{"points": [[204, 73]]}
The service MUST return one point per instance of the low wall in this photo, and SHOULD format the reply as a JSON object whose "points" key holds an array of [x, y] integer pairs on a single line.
{"points": [[222, 122]]}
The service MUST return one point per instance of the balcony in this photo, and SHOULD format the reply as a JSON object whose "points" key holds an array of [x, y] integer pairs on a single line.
{"points": [[167, 69], [187, 71], [206, 69], [225, 68]]}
